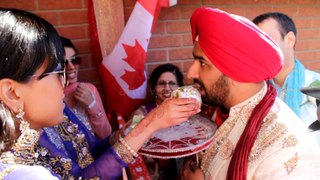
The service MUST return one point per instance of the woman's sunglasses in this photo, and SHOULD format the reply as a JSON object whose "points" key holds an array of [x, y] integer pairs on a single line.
{"points": [[76, 60], [61, 73]]}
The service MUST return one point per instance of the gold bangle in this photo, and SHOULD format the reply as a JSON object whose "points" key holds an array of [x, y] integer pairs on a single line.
{"points": [[122, 141], [123, 153]]}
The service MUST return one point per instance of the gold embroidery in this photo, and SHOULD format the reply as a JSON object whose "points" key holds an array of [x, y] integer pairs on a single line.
{"points": [[6, 171], [226, 149], [270, 132], [291, 164], [238, 113], [70, 132], [289, 141]]}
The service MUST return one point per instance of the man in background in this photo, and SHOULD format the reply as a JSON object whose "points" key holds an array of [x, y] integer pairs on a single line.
{"points": [[293, 75]]}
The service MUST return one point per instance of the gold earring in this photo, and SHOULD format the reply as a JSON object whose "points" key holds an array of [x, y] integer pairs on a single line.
{"points": [[28, 136], [20, 113]]}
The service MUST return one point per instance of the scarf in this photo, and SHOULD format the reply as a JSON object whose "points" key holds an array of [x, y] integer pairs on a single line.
{"points": [[292, 86], [239, 163]]}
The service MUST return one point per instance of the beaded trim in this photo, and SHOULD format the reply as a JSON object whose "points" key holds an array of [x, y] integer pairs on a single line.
{"points": [[124, 142]]}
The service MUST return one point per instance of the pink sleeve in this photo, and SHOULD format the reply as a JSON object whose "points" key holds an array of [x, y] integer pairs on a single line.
{"points": [[97, 116]]}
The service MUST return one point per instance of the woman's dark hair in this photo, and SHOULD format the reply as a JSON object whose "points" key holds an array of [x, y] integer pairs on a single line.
{"points": [[158, 71], [26, 42], [68, 43]]}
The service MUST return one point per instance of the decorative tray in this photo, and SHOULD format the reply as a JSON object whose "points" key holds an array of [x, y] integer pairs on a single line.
{"points": [[182, 140]]}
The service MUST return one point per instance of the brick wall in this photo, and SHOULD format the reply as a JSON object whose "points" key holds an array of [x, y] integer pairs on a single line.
{"points": [[171, 40]]}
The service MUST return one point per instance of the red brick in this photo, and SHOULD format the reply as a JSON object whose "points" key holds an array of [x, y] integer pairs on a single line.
{"points": [[306, 56], [170, 13], [252, 12], [187, 11], [189, 2], [178, 27], [315, 22], [304, 2], [307, 45], [73, 32], [74, 17], [309, 11], [235, 10], [29, 5], [151, 67], [86, 62], [302, 23], [59, 4], [85, 4], [159, 28], [156, 55], [165, 41], [291, 11], [313, 65], [187, 40], [180, 53], [217, 2], [305, 34], [88, 75], [262, 2], [51, 16], [83, 46]]}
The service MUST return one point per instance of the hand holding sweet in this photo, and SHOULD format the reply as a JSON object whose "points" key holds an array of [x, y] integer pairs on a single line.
{"points": [[83, 94], [174, 111], [171, 112]]}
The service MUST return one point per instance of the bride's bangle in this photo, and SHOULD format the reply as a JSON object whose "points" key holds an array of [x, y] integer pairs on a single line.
{"points": [[123, 152], [122, 141]]}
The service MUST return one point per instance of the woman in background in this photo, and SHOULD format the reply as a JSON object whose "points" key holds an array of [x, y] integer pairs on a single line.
{"points": [[83, 98], [163, 80]]}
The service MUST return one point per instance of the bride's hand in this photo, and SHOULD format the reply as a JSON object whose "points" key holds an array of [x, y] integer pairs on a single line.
{"points": [[174, 111]]}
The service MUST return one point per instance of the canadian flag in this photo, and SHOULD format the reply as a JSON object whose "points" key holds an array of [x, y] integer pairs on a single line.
{"points": [[122, 71]]}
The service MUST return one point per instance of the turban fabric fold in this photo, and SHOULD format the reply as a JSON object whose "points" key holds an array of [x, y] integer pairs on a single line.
{"points": [[236, 46]]}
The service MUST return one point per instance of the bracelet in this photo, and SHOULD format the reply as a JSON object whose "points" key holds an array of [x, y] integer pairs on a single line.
{"points": [[94, 102], [99, 114], [122, 141], [123, 153]]}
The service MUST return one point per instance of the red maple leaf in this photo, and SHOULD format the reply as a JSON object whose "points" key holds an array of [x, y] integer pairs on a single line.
{"points": [[136, 57]]}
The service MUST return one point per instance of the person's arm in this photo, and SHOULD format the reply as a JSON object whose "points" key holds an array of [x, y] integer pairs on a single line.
{"points": [[88, 95], [110, 163], [171, 112]]}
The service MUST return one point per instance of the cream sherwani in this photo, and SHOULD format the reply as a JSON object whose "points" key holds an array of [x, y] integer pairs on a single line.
{"points": [[283, 148]]}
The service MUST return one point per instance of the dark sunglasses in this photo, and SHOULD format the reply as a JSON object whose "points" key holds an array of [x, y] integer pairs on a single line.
{"points": [[76, 60]]}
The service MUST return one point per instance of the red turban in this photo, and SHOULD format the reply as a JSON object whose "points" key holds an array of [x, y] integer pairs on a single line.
{"points": [[236, 46]]}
